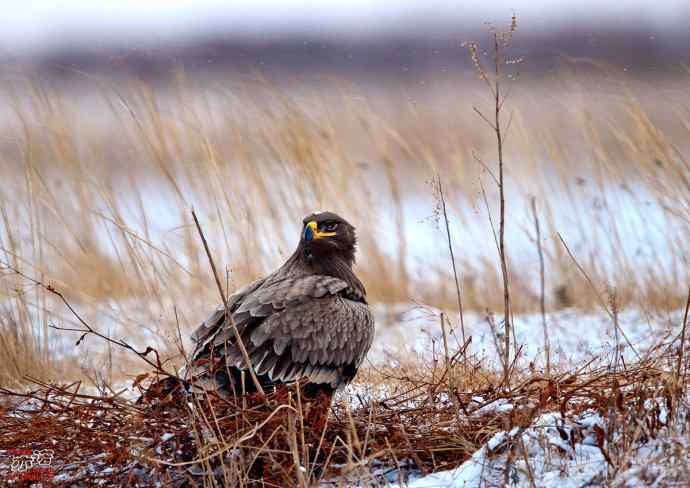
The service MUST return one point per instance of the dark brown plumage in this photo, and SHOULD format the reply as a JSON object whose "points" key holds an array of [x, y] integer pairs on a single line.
{"points": [[309, 320]]}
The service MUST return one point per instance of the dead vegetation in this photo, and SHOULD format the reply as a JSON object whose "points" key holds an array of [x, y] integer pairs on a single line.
{"points": [[421, 421], [103, 209], [93, 204], [414, 417], [90, 237]]}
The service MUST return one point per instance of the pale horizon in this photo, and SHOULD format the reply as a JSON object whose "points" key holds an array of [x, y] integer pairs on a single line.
{"points": [[37, 25]]}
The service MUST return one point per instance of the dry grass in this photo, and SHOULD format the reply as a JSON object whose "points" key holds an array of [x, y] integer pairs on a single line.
{"points": [[93, 201], [422, 417], [98, 207]]}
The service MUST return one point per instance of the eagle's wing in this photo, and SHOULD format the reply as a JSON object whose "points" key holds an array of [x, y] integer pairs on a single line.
{"points": [[210, 327], [314, 326]]}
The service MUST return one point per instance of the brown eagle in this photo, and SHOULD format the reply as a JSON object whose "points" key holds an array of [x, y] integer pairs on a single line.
{"points": [[307, 321]]}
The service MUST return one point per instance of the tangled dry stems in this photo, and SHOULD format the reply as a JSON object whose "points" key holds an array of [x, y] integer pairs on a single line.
{"points": [[420, 423], [428, 419]]}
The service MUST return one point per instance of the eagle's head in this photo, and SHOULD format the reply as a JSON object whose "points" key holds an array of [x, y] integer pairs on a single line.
{"points": [[326, 234]]}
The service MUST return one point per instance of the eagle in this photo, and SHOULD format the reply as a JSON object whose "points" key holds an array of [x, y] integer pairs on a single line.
{"points": [[307, 322]]}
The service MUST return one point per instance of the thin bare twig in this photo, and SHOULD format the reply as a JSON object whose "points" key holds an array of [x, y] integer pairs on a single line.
{"points": [[542, 300], [501, 42], [525, 455], [484, 118], [681, 349], [452, 255], [88, 329], [445, 339], [228, 315], [476, 157], [501, 190], [597, 295]]}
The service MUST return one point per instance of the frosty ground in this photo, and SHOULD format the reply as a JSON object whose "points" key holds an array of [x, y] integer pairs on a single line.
{"points": [[557, 450], [593, 440]]}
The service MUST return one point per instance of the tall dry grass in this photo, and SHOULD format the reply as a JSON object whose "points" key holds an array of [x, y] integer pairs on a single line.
{"points": [[97, 182]]}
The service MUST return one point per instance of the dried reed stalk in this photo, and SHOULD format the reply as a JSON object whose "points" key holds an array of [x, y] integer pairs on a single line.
{"points": [[228, 314]]}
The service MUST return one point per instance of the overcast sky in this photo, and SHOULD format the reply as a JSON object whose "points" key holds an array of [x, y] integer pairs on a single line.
{"points": [[31, 24]]}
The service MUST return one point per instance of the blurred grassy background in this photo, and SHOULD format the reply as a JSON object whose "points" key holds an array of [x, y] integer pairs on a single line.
{"points": [[97, 180]]}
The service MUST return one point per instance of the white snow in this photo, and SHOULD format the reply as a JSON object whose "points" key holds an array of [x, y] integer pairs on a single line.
{"points": [[557, 452], [575, 336], [412, 331], [565, 454], [501, 406]]}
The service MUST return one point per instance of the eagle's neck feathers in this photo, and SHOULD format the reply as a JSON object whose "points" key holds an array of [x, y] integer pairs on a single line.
{"points": [[338, 265]]}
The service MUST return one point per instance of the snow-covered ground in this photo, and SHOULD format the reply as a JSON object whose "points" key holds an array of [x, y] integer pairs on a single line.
{"points": [[557, 452], [565, 454], [566, 451], [574, 336], [412, 331]]}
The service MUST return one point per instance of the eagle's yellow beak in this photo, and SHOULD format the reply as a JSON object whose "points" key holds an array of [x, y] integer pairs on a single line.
{"points": [[311, 231]]}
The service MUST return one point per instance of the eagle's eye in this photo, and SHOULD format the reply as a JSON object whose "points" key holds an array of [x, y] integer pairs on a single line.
{"points": [[330, 226]]}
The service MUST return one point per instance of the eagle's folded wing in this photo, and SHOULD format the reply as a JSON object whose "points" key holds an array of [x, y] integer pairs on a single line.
{"points": [[211, 326], [323, 340], [314, 327]]}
